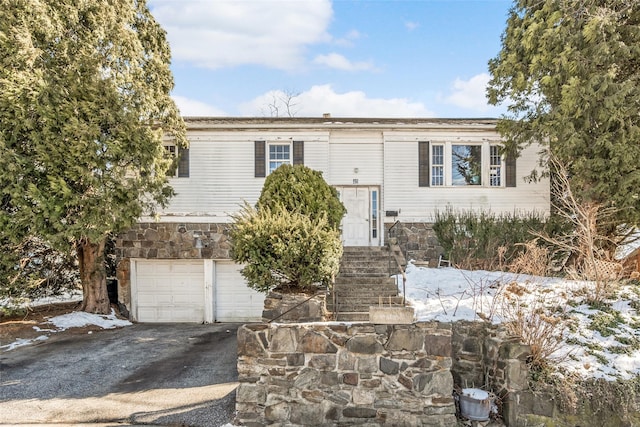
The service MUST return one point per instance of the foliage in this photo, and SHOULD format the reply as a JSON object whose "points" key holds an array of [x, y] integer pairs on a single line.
{"points": [[84, 105], [483, 239], [570, 72], [33, 270], [303, 190], [284, 249]]}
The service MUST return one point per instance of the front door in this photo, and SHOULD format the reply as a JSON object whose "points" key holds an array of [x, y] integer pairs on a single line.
{"points": [[359, 225]]}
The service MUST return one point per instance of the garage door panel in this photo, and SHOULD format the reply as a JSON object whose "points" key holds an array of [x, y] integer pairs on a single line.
{"points": [[235, 301], [170, 291]]}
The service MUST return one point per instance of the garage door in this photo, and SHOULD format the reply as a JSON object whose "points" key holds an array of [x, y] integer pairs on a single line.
{"points": [[169, 291], [234, 300]]}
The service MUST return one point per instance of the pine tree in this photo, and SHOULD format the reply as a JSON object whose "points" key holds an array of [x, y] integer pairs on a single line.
{"points": [[84, 105], [571, 73]]}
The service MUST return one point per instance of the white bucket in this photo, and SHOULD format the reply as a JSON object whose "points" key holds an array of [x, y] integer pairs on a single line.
{"points": [[475, 404]]}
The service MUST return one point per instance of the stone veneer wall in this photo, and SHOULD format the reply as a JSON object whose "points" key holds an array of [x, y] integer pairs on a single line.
{"points": [[160, 240], [365, 374], [417, 240], [345, 374]]}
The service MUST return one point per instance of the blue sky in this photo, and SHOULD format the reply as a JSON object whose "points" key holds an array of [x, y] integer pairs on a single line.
{"points": [[350, 58]]}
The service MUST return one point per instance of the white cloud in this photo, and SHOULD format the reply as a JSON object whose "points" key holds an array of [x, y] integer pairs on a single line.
{"points": [[339, 62], [409, 25], [348, 39], [323, 99], [193, 108], [470, 94], [224, 33]]}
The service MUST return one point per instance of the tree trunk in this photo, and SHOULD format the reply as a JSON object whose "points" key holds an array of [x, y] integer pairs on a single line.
{"points": [[93, 275]]}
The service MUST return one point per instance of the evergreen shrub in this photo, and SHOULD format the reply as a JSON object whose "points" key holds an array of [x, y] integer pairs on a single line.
{"points": [[303, 190], [290, 241], [484, 239], [284, 250], [34, 269]]}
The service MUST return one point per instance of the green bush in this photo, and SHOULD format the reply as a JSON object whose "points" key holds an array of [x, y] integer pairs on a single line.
{"points": [[285, 250], [303, 190], [483, 239]]}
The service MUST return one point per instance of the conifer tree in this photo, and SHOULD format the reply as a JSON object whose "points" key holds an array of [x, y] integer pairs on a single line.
{"points": [[570, 71], [84, 105]]}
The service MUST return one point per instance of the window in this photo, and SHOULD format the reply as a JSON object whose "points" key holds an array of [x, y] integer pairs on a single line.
{"points": [[466, 165], [269, 156], [374, 214], [495, 166], [437, 165], [279, 155], [181, 167], [459, 165]]}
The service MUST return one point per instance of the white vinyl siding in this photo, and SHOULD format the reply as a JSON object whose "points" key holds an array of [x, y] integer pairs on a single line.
{"points": [[222, 172], [356, 158]]}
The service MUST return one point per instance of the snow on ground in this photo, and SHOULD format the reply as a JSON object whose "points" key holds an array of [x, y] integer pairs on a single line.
{"points": [[76, 319], [79, 319], [599, 340]]}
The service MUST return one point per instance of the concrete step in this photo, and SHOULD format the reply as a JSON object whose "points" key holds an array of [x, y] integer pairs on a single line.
{"points": [[364, 274], [364, 308], [347, 293], [352, 317], [347, 281]]}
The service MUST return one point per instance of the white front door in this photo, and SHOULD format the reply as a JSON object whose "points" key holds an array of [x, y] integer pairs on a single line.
{"points": [[356, 224]]}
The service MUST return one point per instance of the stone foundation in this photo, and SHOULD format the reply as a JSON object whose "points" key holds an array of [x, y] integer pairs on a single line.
{"points": [[174, 241]]}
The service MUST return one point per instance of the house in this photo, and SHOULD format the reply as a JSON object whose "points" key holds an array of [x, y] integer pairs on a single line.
{"points": [[176, 266]]}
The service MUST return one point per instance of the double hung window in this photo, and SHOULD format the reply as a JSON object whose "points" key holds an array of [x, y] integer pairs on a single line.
{"points": [[269, 156], [455, 164], [279, 154], [181, 157]]}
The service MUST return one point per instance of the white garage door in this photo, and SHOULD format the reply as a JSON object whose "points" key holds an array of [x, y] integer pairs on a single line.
{"points": [[234, 301], [169, 291]]}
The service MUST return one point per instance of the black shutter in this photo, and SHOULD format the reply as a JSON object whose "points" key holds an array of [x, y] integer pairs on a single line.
{"points": [[260, 161], [298, 152], [183, 163], [424, 164], [510, 170]]}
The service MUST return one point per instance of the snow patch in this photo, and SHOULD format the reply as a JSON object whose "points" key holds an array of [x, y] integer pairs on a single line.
{"points": [[79, 319]]}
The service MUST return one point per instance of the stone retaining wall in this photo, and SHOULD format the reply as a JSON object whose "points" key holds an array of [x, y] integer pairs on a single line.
{"points": [[417, 240], [365, 374], [341, 374]]}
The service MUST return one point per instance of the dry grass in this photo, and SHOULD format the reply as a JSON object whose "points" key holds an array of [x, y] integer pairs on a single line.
{"points": [[539, 322], [533, 260]]}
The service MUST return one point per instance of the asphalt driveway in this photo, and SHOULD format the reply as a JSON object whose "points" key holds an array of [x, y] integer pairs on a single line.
{"points": [[155, 374]]}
